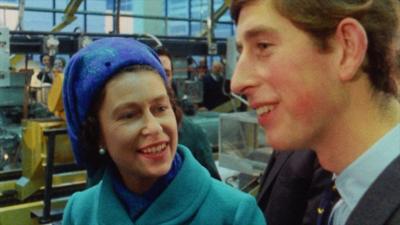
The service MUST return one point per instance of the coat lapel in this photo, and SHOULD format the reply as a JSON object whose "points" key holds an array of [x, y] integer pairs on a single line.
{"points": [[110, 207], [381, 199], [273, 168]]}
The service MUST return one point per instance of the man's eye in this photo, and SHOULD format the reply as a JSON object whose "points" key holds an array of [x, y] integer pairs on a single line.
{"points": [[239, 50], [263, 45]]}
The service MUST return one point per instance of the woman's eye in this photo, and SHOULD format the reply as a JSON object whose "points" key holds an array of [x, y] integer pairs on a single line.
{"points": [[162, 108], [127, 115]]}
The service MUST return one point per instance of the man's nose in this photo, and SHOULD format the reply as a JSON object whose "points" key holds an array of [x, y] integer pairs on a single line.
{"points": [[241, 79]]}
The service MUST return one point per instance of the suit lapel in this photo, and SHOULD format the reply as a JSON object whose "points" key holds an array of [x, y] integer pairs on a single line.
{"points": [[380, 200], [272, 170]]}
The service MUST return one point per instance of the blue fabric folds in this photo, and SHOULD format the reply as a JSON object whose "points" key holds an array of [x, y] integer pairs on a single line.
{"points": [[89, 70], [136, 204]]}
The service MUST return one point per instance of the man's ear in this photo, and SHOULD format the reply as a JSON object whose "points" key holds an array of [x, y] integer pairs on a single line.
{"points": [[353, 41]]}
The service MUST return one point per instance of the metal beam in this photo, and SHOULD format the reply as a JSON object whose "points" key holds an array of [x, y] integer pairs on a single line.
{"points": [[31, 42], [69, 15], [21, 9], [215, 17]]}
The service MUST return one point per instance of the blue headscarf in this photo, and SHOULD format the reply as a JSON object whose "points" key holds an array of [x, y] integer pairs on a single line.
{"points": [[89, 70]]}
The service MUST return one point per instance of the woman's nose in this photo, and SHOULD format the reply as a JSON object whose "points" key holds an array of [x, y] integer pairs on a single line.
{"points": [[151, 125]]}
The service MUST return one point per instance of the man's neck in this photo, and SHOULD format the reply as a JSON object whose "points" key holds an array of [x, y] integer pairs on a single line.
{"points": [[355, 132]]}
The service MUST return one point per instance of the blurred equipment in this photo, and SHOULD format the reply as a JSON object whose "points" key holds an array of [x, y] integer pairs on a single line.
{"points": [[9, 144], [50, 44], [242, 146], [49, 173], [192, 91]]}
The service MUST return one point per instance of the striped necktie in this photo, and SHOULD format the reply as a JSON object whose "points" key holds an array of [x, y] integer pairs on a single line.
{"points": [[328, 200]]}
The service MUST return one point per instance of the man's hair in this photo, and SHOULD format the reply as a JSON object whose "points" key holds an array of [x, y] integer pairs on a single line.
{"points": [[319, 18], [163, 51]]}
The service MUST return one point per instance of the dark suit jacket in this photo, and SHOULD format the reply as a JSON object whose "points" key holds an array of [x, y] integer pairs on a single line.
{"points": [[380, 205], [212, 92], [291, 188]]}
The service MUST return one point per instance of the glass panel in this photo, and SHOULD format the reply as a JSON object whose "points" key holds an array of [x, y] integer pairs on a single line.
{"points": [[199, 9], [226, 17], [78, 22], [38, 21], [217, 4], [178, 8], [149, 7], [96, 5], [196, 29], [48, 4], [126, 25], [223, 30], [9, 1], [126, 5], [95, 24], [178, 28], [156, 27], [9, 18]]}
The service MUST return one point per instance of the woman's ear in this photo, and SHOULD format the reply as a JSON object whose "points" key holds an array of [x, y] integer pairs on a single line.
{"points": [[352, 39]]}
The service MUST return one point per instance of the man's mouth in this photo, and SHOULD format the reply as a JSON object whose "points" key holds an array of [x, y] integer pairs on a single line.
{"points": [[264, 109]]}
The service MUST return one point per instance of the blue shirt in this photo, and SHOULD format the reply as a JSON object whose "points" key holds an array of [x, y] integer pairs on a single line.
{"points": [[355, 180]]}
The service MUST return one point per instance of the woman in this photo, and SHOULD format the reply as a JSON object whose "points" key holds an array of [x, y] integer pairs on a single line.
{"points": [[59, 64], [45, 75], [120, 113]]}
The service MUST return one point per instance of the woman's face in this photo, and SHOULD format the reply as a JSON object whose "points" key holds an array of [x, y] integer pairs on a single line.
{"points": [[46, 60], [138, 127], [58, 64]]}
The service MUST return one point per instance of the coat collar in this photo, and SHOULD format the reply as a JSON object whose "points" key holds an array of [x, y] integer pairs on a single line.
{"points": [[183, 196], [272, 170], [374, 208]]}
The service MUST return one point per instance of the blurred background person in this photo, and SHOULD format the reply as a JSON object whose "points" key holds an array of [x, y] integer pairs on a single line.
{"points": [[46, 75], [59, 65], [190, 134], [213, 85]]}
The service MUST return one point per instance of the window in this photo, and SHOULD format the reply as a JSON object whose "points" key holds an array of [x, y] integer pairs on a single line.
{"points": [[126, 5]]}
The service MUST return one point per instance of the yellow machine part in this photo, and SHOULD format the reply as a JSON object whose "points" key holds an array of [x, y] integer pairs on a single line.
{"points": [[54, 101], [21, 214], [34, 152]]}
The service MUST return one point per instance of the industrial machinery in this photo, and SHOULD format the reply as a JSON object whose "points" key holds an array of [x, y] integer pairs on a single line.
{"points": [[48, 169], [48, 174]]}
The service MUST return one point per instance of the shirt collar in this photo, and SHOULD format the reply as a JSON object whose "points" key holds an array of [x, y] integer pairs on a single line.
{"points": [[354, 181]]}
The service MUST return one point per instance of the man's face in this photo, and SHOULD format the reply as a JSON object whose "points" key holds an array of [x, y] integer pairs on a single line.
{"points": [[291, 84], [167, 64], [217, 68]]}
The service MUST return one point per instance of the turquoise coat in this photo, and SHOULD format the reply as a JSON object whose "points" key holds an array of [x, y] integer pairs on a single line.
{"points": [[193, 197]]}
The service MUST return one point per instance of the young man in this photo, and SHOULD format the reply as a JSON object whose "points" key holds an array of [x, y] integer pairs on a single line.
{"points": [[318, 75]]}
